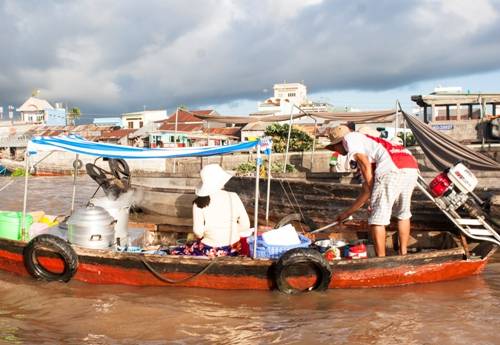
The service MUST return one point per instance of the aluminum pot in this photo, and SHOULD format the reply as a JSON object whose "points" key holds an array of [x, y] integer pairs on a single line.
{"points": [[91, 227]]}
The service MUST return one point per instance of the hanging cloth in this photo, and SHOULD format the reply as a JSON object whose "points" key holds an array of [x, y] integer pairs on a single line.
{"points": [[443, 151]]}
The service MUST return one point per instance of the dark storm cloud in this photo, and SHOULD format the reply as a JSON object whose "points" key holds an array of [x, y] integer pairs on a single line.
{"points": [[114, 56]]}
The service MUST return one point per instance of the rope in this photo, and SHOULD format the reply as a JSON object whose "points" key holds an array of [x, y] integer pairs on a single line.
{"points": [[173, 281], [12, 180], [293, 195], [291, 203], [286, 194]]}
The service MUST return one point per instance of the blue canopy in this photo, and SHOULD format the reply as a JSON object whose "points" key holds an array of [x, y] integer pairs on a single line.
{"points": [[77, 144]]}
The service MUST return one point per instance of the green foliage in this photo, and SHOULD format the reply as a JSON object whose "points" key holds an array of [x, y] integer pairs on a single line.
{"points": [[299, 140], [74, 114], [245, 168], [18, 172], [410, 138], [248, 168]]}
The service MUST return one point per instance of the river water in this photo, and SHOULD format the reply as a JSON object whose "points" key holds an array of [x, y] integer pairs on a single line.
{"points": [[465, 311]]}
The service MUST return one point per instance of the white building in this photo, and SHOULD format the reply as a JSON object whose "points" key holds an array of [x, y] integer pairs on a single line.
{"points": [[287, 95], [34, 110], [144, 118]]}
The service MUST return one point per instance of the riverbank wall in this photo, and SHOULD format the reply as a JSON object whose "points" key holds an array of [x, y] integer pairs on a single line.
{"points": [[61, 163]]}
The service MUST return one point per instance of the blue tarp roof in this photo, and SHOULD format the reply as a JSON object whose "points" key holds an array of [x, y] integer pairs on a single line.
{"points": [[77, 144]]}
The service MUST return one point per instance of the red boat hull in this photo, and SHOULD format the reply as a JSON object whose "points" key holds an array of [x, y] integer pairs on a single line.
{"points": [[107, 267]]}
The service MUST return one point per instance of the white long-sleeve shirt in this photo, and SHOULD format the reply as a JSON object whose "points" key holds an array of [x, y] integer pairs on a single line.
{"points": [[222, 221]]}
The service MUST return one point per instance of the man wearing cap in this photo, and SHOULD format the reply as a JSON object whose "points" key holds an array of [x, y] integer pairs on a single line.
{"points": [[390, 174]]}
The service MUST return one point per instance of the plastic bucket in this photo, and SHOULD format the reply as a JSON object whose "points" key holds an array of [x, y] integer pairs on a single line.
{"points": [[11, 223]]}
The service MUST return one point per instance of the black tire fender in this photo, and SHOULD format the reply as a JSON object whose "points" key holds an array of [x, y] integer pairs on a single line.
{"points": [[303, 255], [120, 169], [59, 246]]}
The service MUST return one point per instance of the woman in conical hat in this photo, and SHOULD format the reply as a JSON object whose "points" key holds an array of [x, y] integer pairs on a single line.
{"points": [[219, 217]]}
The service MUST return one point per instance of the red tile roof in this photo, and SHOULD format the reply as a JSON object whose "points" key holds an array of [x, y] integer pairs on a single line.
{"points": [[229, 131], [117, 133], [195, 127]]}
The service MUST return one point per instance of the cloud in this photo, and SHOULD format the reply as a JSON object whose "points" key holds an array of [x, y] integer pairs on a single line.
{"points": [[112, 56]]}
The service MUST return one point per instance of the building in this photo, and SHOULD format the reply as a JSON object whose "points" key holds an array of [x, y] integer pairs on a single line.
{"points": [[184, 128], [39, 111], [108, 121], [117, 136], [463, 116], [141, 119], [287, 97]]}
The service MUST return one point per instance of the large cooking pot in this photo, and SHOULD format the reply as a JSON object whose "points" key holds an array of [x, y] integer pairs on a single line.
{"points": [[91, 227]]}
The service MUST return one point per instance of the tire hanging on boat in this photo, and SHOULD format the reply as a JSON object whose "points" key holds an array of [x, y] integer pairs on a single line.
{"points": [[120, 169], [62, 248], [302, 256]]}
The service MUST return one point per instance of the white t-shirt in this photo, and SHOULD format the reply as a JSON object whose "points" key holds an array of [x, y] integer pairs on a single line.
{"points": [[379, 151], [222, 221]]}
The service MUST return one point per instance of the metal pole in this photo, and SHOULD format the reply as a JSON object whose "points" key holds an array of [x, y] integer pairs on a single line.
{"points": [[314, 142], [288, 139], [404, 133], [25, 199], [256, 210], [396, 121], [175, 137], [75, 175], [481, 112], [268, 196]]}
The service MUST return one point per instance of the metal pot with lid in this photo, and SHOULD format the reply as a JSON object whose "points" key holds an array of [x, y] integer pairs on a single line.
{"points": [[91, 227]]}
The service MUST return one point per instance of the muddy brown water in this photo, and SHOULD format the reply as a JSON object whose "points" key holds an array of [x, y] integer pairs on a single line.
{"points": [[465, 311]]}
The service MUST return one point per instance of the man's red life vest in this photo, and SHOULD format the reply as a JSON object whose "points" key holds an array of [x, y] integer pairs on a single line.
{"points": [[400, 156]]}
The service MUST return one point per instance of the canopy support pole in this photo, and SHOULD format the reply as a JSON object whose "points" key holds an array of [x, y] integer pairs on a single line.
{"points": [[175, 138], [396, 121], [25, 199], [288, 139], [314, 142], [268, 196], [75, 175], [256, 210]]}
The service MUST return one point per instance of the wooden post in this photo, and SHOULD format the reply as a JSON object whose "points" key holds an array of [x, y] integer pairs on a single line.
{"points": [[470, 111], [425, 114], [459, 117], [447, 112]]}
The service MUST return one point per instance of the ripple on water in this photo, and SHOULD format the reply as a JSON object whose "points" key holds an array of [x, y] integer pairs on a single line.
{"points": [[465, 311]]}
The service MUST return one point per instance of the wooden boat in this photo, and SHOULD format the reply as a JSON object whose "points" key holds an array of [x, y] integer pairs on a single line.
{"points": [[318, 197], [437, 256]]}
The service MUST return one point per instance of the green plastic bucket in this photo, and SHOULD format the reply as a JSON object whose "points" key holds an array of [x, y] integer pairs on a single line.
{"points": [[11, 223]]}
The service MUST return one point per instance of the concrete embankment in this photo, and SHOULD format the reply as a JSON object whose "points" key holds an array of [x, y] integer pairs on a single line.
{"points": [[61, 162]]}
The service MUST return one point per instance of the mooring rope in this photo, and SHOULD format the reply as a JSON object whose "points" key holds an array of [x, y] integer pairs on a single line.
{"points": [[174, 281]]}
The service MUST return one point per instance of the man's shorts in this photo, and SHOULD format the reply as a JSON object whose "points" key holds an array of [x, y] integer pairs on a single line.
{"points": [[392, 193]]}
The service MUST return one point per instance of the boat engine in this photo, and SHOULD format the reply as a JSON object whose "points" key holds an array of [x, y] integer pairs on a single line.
{"points": [[454, 187]]}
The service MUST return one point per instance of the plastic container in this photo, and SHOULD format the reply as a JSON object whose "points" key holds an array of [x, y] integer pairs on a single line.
{"points": [[11, 223], [357, 251], [268, 251]]}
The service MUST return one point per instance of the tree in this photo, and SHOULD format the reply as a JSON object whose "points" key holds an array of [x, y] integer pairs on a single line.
{"points": [[73, 115], [299, 140]]}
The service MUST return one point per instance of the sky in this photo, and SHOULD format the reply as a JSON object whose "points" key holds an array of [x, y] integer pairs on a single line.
{"points": [[113, 56]]}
